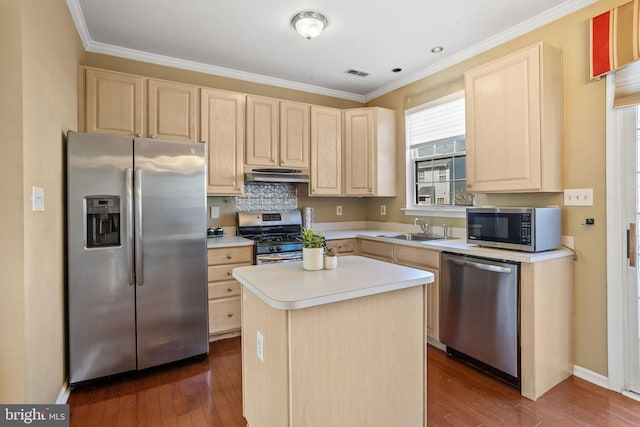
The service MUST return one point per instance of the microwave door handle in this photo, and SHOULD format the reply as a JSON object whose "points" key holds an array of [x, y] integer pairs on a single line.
{"points": [[631, 244], [481, 266]]}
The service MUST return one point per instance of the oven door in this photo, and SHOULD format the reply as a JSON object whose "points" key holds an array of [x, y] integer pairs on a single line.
{"points": [[279, 257]]}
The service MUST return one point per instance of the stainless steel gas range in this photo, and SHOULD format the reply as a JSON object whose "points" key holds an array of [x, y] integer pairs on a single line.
{"points": [[277, 235]]}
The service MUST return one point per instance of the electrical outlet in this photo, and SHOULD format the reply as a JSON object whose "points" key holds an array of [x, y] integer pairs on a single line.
{"points": [[260, 346], [569, 241], [338, 210], [215, 211], [383, 209], [578, 197]]}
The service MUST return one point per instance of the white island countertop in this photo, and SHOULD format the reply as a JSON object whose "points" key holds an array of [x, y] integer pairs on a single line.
{"points": [[287, 286]]}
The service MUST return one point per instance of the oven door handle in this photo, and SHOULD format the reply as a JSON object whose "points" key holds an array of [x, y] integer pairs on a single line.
{"points": [[280, 258]]}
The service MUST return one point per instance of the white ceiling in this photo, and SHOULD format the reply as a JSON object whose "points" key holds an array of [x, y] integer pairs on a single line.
{"points": [[253, 39]]}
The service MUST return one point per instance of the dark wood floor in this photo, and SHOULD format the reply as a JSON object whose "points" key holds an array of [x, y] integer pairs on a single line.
{"points": [[207, 392]]}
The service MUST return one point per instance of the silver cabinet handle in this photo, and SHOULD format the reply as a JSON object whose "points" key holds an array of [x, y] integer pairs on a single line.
{"points": [[137, 195], [481, 266], [128, 179]]}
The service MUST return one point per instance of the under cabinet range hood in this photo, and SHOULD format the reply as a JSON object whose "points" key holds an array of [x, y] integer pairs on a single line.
{"points": [[276, 175]]}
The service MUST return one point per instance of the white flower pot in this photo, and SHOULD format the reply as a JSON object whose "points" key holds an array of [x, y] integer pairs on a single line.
{"points": [[330, 262], [312, 258]]}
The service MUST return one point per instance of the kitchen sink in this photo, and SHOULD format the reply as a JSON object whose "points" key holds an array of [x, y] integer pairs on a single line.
{"points": [[417, 237]]}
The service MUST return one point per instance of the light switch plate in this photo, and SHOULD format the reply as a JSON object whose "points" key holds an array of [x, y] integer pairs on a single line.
{"points": [[260, 346], [383, 209], [578, 197], [215, 211], [37, 199]]}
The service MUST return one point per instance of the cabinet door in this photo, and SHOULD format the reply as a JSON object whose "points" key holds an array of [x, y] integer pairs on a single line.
{"points": [[513, 138], [359, 152], [262, 131], [326, 152], [172, 110], [222, 128], [295, 131], [114, 103], [432, 302], [343, 246]]}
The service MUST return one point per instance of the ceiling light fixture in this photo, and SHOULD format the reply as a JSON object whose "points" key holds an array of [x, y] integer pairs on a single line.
{"points": [[437, 49], [309, 24]]}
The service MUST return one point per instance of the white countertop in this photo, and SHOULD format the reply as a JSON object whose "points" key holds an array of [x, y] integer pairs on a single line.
{"points": [[450, 245], [460, 246], [287, 286], [226, 241]]}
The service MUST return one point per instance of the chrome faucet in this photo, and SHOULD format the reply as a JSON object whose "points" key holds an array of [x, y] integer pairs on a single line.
{"points": [[445, 231], [424, 227]]}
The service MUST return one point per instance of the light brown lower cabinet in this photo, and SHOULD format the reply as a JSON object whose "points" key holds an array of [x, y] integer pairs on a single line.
{"points": [[343, 246], [224, 290], [425, 259]]}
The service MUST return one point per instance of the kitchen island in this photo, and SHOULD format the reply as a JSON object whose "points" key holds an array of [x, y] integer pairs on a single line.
{"points": [[337, 347]]}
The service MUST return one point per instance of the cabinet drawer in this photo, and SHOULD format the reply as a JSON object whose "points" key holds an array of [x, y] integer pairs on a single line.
{"points": [[342, 246], [230, 255], [224, 315], [419, 257], [229, 288], [219, 273], [379, 250]]}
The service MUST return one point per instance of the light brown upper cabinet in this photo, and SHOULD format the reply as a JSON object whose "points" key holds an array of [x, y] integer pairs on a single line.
{"points": [[295, 133], [172, 110], [370, 152], [278, 133], [514, 122], [125, 104], [113, 102], [325, 177], [222, 126]]}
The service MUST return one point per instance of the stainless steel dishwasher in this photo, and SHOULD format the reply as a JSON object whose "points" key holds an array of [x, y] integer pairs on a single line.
{"points": [[479, 313]]}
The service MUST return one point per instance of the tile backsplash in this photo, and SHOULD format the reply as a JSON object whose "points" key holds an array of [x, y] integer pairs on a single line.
{"points": [[267, 197]]}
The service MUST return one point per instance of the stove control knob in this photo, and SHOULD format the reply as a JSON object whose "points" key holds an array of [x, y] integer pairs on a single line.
{"points": [[271, 249], [279, 248]]}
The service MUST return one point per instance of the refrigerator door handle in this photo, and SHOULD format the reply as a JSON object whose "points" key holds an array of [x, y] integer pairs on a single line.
{"points": [[137, 195], [128, 179]]}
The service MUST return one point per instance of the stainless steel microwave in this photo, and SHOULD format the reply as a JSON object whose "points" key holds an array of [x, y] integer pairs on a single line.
{"points": [[521, 229]]}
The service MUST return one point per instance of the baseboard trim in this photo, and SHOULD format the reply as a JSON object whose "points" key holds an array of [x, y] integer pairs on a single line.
{"points": [[436, 344], [631, 395], [592, 377], [63, 396]]}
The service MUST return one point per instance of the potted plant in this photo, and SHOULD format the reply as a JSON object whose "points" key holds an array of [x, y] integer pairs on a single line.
{"points": [[312, 250], [330, 258]]}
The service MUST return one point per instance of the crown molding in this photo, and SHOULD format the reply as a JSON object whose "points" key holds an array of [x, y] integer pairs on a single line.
{"points": [[513, 32], [218, 71], [529, 25]]}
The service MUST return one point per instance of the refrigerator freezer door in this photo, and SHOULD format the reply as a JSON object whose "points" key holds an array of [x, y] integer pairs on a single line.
{"points": [[102, 338], [172, 298]]}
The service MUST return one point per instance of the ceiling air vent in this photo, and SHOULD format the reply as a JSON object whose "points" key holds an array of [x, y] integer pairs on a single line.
{"points": [[356, 72]]}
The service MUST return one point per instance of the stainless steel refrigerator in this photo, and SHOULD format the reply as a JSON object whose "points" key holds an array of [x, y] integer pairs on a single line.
{"points": [[136, 250]]}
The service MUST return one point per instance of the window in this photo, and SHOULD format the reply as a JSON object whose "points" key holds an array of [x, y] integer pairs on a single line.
{"points": [[436, 170]]}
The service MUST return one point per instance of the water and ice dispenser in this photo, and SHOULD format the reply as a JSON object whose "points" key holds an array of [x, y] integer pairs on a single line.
{"points": [[103, 221]]}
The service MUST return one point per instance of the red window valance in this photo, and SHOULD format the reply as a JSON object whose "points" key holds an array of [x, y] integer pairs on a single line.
{"points": [[614, 39]]}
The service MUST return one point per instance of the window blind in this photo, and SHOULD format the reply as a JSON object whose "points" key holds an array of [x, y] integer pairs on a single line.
{"points": [[435, 121], [627, 86]]}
